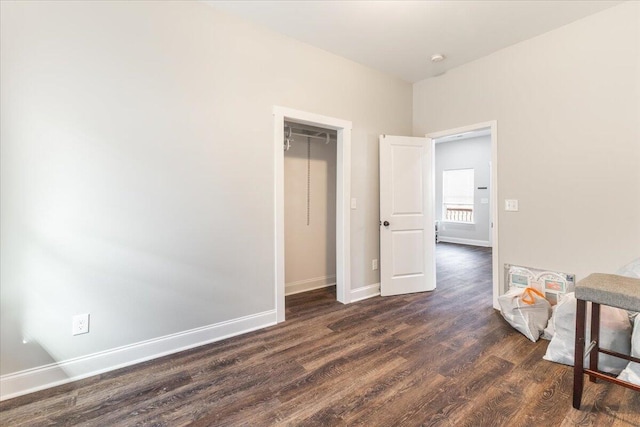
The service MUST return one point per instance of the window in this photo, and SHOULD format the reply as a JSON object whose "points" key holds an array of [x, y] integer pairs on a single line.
{"points": [[457, 195]]}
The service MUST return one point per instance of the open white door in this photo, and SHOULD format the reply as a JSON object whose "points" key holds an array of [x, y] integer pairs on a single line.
{"points": [[407, 259]]}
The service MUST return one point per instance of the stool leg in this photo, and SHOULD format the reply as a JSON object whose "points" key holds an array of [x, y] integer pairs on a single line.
{"points": [[578, 362], [595, 336]]}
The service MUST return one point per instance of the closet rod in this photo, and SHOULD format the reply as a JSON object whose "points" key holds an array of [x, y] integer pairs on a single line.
{"points": [[326, 138], [290, 131]]}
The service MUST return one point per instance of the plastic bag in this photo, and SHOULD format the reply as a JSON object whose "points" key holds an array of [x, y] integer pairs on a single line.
{"points": [[615, 334], [630, 270], [632, 372], [550, 330], [526, 310]]}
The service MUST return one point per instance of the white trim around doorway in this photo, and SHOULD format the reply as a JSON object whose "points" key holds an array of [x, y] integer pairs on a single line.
{"points": [[493, 126], [343, 193]]}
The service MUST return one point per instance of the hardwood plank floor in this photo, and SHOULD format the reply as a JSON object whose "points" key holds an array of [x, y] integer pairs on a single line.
{"points": [[443, 358]]}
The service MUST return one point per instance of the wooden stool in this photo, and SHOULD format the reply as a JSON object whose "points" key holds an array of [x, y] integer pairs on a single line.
{"points": [[607, 289]]}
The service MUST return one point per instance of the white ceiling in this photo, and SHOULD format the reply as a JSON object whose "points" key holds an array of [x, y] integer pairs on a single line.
{"points": [[399, 37]]}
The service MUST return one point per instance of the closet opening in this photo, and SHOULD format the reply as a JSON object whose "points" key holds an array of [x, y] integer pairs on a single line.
{"points": [[310, 161], [342, 135]]}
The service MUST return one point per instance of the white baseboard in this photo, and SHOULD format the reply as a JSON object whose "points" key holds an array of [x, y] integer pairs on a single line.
{"points": [[40, 378], [365, 292], [309, 284], [484, 243]]}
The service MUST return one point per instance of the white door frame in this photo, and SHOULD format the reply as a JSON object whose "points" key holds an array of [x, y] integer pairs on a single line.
{"points": [[493, 192], [343, 193]]}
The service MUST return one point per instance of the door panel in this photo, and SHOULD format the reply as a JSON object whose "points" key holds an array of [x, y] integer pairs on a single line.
{"points": [[408, 246], [406, 183], [407, 262]]}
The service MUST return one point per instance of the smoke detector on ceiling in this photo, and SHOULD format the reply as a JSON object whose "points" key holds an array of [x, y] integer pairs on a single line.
{"points": [[437, 57]]}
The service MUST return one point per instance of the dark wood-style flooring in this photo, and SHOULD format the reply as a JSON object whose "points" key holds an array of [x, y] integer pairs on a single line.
{"points": [[444, 358]]}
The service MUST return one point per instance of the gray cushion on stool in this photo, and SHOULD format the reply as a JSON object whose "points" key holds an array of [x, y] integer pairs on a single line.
{"points": [[610, 289]]}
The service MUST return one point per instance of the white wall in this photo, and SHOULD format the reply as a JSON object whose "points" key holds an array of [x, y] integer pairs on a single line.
{"points": [[471, 153], [310, 249], [567, 105], [138, 176]]}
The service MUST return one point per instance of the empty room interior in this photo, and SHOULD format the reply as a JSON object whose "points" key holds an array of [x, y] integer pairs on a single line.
{"points": [[380, 213]]}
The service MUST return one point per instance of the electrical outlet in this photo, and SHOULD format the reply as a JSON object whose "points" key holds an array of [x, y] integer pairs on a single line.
{"points": [[80, 324], [374, 264]]}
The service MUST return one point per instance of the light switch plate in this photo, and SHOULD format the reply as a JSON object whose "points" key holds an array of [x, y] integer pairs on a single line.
{"points": [[353, 203], [511, 205]]}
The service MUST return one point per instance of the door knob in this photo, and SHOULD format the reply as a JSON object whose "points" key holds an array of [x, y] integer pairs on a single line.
{"points": [[386, 223]]}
